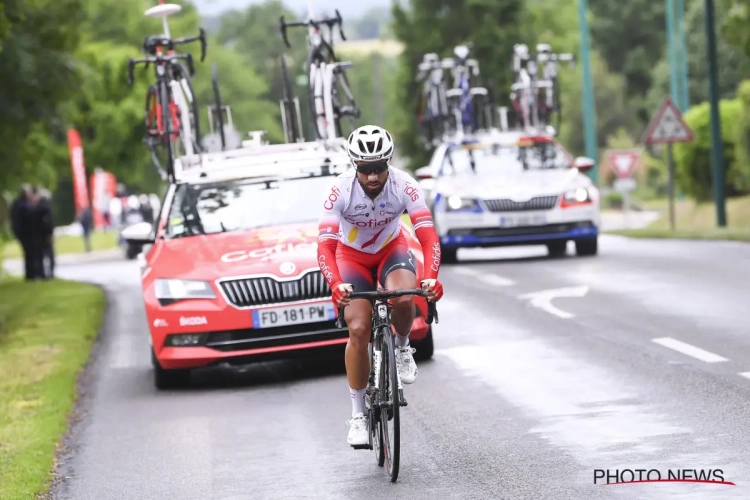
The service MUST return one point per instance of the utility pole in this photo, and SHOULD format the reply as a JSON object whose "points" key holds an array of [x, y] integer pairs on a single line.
{"points": [[589, 111], [684, 102], [672, 53], [717, 153]]}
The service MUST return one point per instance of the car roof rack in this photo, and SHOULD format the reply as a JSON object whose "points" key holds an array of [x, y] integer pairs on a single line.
{"points": [[259, 159]]}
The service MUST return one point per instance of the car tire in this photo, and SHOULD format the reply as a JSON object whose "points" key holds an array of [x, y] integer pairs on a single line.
{"points": [[557, 248], [425, 348], [168, 379], [587, 247]]}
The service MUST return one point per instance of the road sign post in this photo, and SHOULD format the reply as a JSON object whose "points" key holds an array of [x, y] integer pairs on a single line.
{"points": [[623, 163], [668, 127]]}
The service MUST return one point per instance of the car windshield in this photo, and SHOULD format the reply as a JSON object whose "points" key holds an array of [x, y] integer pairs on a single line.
{"points": [[244, 204], [496, 159]]}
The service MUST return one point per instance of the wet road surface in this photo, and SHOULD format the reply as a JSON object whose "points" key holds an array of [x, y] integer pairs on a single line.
{"points": [[544, 370]]}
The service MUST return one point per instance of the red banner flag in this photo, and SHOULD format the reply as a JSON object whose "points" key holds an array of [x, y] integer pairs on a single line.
{"points": [[103, 189], [80, 190]]}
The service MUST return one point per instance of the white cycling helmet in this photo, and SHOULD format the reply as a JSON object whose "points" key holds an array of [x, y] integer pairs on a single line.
{"points": [[370, 143]]}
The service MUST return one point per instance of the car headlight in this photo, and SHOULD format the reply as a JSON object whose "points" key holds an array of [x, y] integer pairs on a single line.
{"points": [[456, 203], [171, 290], [579, 195]]}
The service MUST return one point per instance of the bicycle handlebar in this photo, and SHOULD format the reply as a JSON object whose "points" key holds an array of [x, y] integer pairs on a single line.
{"points": [[389, 294], [169, 43], [147, 60], [330, 22]]}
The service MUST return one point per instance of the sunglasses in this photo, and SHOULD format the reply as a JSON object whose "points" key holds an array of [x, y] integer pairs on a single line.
{"points": [[372, 168]]}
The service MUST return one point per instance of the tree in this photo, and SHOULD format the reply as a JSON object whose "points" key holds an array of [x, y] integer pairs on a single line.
{"points": [[38, 75], [631, 38]]}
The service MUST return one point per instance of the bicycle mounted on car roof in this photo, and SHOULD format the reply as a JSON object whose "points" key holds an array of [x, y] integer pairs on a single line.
{"points": [[462, 108], [171, 108], [383, 403], [533, 111], [324, 71]]}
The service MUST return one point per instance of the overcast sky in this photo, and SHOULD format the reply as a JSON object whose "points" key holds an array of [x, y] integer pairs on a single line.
{"points": [[346, 7]]}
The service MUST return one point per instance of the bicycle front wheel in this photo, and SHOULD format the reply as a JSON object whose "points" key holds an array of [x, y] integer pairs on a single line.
{"points": [[389, 416], [217, 105]]}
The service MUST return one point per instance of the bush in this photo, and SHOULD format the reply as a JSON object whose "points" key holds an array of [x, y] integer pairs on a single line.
{"points": [[693, 159]]}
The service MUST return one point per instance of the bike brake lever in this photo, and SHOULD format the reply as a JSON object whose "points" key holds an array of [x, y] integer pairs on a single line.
{"points": [[191, 66], [204, 45], [341, 25], [130, 72], [283, 32]]}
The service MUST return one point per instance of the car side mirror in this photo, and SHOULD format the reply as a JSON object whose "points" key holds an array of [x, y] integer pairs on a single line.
{"points": [[583, 163], [140, 233], [424, 173]]}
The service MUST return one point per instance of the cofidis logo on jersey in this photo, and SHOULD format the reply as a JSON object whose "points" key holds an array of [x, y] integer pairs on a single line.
{"points": [[369, 223]]}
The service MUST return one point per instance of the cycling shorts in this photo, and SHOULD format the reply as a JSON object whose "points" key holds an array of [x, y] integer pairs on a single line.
{"points": [[359, 268]]}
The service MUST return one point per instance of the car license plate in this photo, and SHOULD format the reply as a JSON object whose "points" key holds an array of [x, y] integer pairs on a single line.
{"points": [[292, 315], [522, 220]]}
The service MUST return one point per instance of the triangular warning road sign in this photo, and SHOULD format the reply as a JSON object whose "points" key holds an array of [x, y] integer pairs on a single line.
{"points": [[623, 162], [668, 126]]}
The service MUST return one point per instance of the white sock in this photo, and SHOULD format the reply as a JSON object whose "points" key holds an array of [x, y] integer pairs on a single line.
{"points": [[358, 401], [402, 340]]}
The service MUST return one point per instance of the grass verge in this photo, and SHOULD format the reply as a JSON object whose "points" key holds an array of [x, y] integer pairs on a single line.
{"points": [[697, 221], [68, 244], [46, 331]]}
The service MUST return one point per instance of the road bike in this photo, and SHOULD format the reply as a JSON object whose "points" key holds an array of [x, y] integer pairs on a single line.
{"points": [[382, 401], [533, 110], [325, 75], [171, 108], [290, 114], [432, 111], [469, 104]]}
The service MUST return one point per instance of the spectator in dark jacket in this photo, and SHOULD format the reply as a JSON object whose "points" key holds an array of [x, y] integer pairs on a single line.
{"points": [[47, 226], [21, 224], [41, 231]]}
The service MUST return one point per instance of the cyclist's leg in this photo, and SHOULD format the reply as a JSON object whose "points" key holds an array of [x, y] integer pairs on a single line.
{"points": [[354, 269], [397, 271]]}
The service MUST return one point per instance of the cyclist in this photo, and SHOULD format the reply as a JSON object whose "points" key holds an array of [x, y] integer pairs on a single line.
{"points": [[360, 233]]}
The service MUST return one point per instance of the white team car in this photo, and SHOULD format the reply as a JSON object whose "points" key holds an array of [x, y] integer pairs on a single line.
{"points": [[511, 188]]}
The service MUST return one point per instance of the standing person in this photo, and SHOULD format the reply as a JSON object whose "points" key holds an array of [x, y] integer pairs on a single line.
{"points": [[47, 228], [38, 225], [147, 211], [20, 219], [87, 222]]}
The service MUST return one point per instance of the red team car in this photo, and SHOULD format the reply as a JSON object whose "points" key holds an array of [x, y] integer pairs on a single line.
{"points": [[231, 275]]}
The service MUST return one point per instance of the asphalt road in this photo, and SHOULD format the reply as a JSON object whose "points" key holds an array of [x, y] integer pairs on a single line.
{"points": [[637, 364]]}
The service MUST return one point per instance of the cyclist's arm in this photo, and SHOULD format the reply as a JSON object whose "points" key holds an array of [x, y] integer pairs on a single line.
{"points": [[421, 220], [328, 235]]}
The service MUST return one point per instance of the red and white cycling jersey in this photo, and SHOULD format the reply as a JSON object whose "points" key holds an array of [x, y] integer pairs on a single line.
{"points": [[354, 219]]}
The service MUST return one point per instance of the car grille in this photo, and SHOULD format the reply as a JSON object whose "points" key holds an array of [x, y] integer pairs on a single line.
{"points": [[506, 205], [254, 292]]}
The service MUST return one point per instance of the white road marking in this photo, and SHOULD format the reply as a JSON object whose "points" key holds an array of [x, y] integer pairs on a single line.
{"points": [[689, 350], [543, 300], [495, 280], [592, 412], [488, 278], [745, 374]]}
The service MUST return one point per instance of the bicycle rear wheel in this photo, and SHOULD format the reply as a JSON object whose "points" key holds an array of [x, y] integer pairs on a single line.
{"points": [[217, 105], [390, 415]]}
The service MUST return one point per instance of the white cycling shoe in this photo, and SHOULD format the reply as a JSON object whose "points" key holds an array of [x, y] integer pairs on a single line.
{"points": [[357, 431], [407, 368]]}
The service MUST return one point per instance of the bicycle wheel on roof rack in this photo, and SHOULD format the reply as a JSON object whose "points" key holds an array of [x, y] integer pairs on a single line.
{"points": [[343, 103], [317, 109], [288, 106], [217, 109]]}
